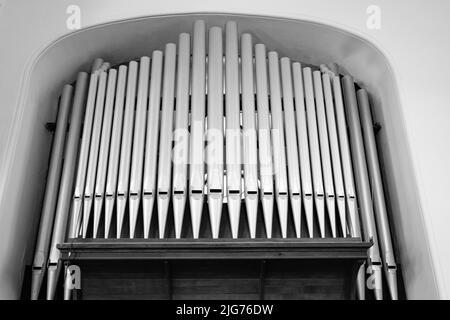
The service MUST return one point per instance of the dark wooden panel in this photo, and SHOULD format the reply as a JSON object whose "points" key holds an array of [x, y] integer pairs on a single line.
{"points": [[216, 288], [195, 279], [308, 279], [210, 268], [212, 279], [120, 280], [306, 289], [216, 269]]}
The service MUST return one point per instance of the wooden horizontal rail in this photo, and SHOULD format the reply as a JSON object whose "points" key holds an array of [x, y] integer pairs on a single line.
{"points": [[167, 249]]}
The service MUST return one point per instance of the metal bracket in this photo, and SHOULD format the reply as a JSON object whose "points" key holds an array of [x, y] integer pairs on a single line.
{"points": [[377, 127], [50, 126]]}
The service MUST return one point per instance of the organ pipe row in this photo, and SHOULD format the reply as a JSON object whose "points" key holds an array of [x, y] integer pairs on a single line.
{"points": [[226, 123]]}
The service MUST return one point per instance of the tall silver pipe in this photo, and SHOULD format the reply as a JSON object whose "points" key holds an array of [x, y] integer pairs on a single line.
{"points": [[379, 202], [362, 183], [165, 141], [181, 133], [137, 155], [291, 145], [196, 145], [67, 178], [123, 182], [51, 192], [303, 146], [278, 142], [100, 181], [233, 129], [249, 135], [114, 153], [214, 152], [151, 140], [264, 138], [349, 184]]}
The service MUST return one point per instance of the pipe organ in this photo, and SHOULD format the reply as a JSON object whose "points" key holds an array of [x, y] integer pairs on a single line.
{"points": [[215, 137]]}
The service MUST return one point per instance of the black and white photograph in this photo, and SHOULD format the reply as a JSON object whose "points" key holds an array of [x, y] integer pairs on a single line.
{"points": [[230, 158]]}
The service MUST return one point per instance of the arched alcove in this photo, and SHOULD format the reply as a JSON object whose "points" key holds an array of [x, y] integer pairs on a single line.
{"points": [[120, 41]]}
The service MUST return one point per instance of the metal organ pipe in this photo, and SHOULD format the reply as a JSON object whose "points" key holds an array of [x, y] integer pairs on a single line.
{"points": [[264, 138], [291, 145], [84, 155], [362, 182], [233, 128], [100, 181], [278, 142], [267, 129], [196, 145], [313, 135], [137, 158], [125, 152], [379, 201], [325, 151], [303, 147], [51, 192], [214, 150], [66, 184], [181, 133], [114, 152], [165, 142], [93, 152], [249, 133], [151, 141]]}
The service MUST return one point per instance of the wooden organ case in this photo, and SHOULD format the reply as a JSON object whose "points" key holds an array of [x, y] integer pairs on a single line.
{"points": [[214, 169]]}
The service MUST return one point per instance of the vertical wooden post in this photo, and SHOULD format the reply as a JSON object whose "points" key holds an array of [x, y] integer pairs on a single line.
{"points": [[262, 275]]}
